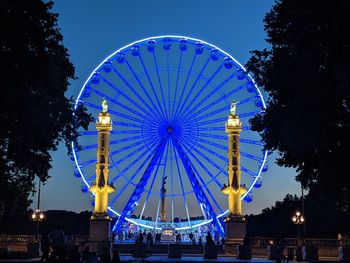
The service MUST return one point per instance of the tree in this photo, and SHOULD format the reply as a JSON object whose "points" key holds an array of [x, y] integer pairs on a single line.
{"points": [[322, 220], [35, 115], [306, 72]]}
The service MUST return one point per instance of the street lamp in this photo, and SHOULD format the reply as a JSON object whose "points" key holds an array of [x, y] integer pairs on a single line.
{"points": [[38, 215], [298, 219]]}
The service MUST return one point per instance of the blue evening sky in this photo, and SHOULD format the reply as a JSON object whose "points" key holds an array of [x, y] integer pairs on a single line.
{"points": [[93, 29]]}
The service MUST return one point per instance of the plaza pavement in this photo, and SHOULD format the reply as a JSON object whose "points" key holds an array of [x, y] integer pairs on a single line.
{"points": [[184, 259]]}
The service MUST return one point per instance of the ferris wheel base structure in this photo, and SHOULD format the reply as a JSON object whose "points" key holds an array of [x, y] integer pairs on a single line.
{"points": [[178, 88]]}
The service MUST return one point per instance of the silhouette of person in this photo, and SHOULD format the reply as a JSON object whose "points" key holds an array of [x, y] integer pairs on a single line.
{"points": [[45, 247], [57, 239]]}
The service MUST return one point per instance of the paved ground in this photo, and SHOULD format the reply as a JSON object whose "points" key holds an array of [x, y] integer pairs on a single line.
{"points": [[189, 259]]}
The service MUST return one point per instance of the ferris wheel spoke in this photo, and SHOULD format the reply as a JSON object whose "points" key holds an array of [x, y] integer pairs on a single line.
{"points": [[157, 214], [225, 108], [186, 82], [89, 179], [129, 180], [94, 133], [254, 142], [126, 124], [220, 128], [208, 150], [135, 196], [171, 182], [213, 178], [137, 113], [123, 175], [253, 157], [128, 147], [114, 164], [247, 171], [127, 132], [217, 71], [163, 180], [218, 120], [200, 74], [210, 105], [157, 114], [209, 95], [88, 133], [247, 100], [87, 163], [201, 179], [249, 114], [112, 142], [92, 105], [133, 102], [126, 157], [150, 189], [216, 145], [151, 84], [160, 85], [176, 87], [212, 113], [214, 153], [181, 184], [168, 71], [214, 136], [87, 147], [209, 160], [197, 188]]}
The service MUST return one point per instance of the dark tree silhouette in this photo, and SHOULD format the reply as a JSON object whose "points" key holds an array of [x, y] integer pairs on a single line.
{"points": [[306, 73], [322, 219], [35, 115]]}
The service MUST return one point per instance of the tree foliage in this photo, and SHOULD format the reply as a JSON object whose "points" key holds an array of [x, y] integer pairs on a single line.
{"points": [[72, 223], [35, 115], [322, 219], [306, 73]]}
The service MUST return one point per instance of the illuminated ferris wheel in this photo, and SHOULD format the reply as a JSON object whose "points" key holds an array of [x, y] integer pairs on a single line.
{"points": [[169, 98]]}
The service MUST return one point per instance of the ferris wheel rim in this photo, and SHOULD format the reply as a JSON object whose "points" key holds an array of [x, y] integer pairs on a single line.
{"points": [[156, 38]]}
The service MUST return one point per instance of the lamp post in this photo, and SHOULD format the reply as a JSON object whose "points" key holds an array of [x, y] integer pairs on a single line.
{"points": [[38, 215], [298, 219]]}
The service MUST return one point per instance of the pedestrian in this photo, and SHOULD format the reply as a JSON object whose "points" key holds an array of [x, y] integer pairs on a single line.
{"points": [[74, 255], [280, 250], [149, 240], [200, 242], [223, 242], [44, 247], [56, 237], [86, 256], [190, 236], [105, 251], [116, 257], [139, 239], [209, 240], [178, 237]]}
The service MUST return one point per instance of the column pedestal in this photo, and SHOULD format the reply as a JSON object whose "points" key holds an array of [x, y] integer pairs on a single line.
{"points": [[100, 233], [235, 233]]}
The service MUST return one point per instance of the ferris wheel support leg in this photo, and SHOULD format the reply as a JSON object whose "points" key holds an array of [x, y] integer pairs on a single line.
{"points": [[198, 189], [136, 195]]}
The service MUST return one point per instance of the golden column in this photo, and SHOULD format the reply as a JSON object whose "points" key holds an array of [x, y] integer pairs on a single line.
{"points": [[234, 189], [101, 188]]}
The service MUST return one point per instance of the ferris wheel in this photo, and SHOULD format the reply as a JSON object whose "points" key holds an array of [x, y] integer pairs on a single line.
{"points": [[169, 98]]}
